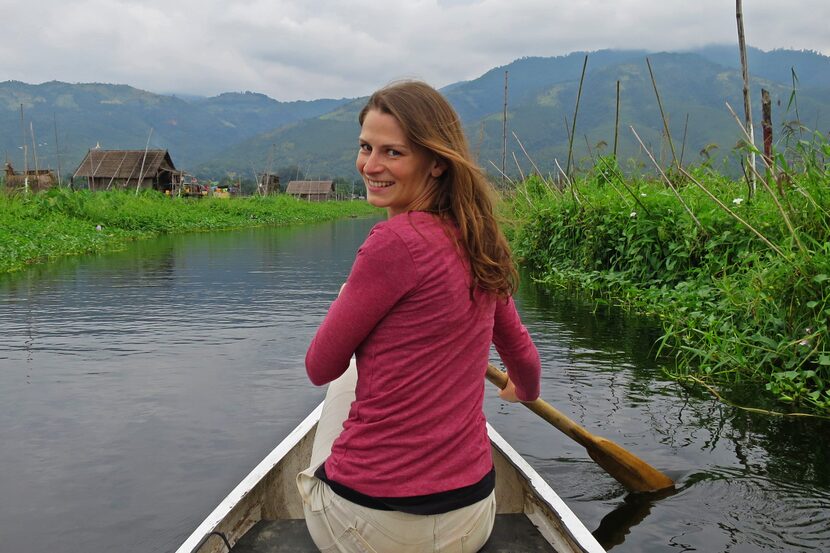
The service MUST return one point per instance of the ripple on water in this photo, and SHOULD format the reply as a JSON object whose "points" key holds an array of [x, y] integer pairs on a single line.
{"points": [[736, 510]]}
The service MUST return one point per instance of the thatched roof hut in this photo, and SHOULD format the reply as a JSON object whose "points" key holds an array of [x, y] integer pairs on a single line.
{"points": [[312, 190], [104, 169], [34, 180]]}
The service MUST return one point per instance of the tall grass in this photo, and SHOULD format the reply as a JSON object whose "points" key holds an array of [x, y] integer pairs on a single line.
{"points": [[35, 228], [744, 295]]}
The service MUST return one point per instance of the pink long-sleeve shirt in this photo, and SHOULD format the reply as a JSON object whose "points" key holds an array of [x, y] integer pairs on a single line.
{"points": [[422, 345]]}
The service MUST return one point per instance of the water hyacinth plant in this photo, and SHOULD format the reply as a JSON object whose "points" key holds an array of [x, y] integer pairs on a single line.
{"points": [[742, 285], [38, 227]]}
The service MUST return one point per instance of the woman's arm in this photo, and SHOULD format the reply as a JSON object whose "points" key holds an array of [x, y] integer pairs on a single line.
{"points": [[517, 350], [383, 272]]}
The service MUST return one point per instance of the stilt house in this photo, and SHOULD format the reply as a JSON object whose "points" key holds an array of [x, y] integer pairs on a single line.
{"points": [[105, 169], [311, 190]]}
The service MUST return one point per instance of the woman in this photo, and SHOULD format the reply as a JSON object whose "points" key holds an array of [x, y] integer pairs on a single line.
{"points": [[401, 459]]}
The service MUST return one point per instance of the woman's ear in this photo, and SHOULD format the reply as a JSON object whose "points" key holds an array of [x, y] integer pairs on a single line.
{"points": [[438, 168]]}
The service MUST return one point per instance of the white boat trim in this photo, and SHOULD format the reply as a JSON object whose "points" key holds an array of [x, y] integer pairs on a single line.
{"points": [[243, 488], [570, 521]]}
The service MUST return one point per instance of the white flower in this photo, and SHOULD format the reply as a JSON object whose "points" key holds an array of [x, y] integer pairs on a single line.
{"points": [[737, 201], [643, 194], [633, 214], [98, 227], [804, 343]]}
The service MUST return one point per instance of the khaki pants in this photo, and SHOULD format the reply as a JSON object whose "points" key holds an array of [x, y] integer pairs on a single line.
{"points": [[338, 525]]}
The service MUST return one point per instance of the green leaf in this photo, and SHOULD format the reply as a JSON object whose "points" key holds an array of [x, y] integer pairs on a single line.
{"points": [[812, 304], [820, 278], [824, 360]]}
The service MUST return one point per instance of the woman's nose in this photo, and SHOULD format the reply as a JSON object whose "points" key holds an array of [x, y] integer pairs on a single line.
{"points": [[372, 165]]}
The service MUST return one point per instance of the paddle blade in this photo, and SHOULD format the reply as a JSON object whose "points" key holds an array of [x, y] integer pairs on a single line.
{"points": [[626, 468]]}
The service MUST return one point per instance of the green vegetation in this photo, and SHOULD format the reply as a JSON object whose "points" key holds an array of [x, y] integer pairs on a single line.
{"points": [[740, 302], [60, 222]]}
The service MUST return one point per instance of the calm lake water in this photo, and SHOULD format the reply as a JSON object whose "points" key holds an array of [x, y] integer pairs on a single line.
{"points": [[138, 388]]}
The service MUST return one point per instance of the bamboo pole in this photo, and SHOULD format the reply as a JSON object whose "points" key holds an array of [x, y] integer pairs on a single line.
{"points": [[747, 103], [662, 114], [617, 121], [141, 171], [683, 144], [25, 153], [57, 150], [576, 111], [504, 132], [34, 152]]}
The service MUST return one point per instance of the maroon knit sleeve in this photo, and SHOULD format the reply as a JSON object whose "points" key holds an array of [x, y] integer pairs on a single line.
{"points": [[382, 273], [516, 349]]}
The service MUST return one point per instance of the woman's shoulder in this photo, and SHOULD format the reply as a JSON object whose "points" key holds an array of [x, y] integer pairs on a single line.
{"points": [[415, 224]]}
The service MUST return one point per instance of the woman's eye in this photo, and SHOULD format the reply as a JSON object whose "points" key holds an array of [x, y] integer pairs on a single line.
{"points": [[365, 148], [393, 153]]}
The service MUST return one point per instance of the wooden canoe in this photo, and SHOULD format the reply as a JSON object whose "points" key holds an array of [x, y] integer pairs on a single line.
{"points": [[264, 512]]}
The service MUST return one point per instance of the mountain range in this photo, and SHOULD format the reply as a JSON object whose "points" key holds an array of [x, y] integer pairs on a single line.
{"points": [[238, 134]]}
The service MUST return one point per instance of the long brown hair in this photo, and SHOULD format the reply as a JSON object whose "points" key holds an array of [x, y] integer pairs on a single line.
{"points": [[462, 193]]}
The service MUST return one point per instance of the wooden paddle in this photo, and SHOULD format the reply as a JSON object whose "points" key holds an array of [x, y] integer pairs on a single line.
{"points": [[629, 470]]}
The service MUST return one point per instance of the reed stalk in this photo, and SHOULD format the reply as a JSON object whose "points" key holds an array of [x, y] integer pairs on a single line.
{"points": [[736, 216], [669, 183], [518, 166]]}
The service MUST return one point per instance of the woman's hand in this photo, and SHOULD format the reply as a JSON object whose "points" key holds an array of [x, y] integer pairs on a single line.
{"points": [[509, 392]]}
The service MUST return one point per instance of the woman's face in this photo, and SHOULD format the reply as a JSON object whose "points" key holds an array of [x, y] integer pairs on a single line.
{"points": [[397, 173]]}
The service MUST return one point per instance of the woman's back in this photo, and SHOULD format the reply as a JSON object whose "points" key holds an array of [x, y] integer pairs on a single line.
{"points": [[416, 426]]}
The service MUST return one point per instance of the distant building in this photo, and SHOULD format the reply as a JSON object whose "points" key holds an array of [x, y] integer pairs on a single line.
{"points": [[34, 180], [105, 169], [268, 183], [311, 190]]}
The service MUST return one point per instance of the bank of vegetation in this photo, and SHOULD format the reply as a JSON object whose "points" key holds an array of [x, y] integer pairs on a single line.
{"points": [[741, 282], [38, 227]]}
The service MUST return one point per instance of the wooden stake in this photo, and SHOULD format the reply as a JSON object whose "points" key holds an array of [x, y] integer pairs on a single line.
{"points": [[747, 104], [766, 126]]}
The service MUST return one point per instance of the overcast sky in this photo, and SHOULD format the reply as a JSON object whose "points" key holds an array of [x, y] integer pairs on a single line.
{"points": [[293, 50]]}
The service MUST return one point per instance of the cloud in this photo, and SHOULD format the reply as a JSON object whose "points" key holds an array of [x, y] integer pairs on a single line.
{"points": [[292, 50]]}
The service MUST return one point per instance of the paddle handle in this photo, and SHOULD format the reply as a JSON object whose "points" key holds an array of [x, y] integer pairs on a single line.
{"points": [[546, 411]]}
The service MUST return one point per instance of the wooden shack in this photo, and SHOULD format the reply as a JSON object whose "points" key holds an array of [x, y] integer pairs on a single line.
{"points": [[268, 183], [32, 180], [105, 169], [311, 190]]}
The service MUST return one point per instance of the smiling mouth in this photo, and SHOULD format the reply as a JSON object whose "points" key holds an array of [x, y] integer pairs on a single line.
{"points": [[379, 184]]}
